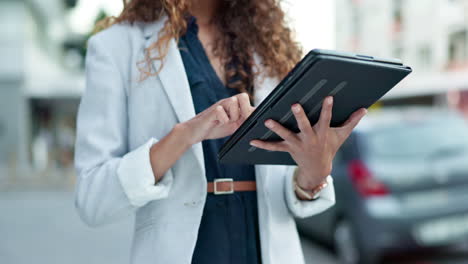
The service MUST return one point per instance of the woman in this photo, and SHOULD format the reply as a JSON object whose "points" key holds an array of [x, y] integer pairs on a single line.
{"points": [[166, 84]]}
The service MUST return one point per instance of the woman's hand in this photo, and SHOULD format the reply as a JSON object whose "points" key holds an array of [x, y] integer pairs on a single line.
{"points": [[314, 147], [219, 120]]}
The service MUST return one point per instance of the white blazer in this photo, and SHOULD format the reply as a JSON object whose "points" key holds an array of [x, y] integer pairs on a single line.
{"points": [[120, 117]]}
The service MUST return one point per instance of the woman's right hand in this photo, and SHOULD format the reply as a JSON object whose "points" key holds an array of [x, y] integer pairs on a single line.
{"points": [[219, 120]]}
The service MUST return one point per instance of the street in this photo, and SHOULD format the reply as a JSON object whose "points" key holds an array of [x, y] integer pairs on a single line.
{"points": [[43, 227]]}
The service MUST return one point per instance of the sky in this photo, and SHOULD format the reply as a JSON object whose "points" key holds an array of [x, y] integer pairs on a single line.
{"points": [[313, 20]]}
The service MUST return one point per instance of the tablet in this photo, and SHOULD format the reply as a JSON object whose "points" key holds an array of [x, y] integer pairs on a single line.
{"points": [[355, 81]]}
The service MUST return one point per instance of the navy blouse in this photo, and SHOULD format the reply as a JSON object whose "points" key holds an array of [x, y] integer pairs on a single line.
{"points": [[229, 226]]}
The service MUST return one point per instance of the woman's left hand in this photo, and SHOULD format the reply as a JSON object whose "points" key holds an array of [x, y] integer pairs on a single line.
{"points": [[314, 147]]}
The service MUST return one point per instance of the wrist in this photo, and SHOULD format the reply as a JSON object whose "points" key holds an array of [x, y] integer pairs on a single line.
{"points": [[153, 154], [308, 181], [176, 141], [308, 194], [182, 133]]}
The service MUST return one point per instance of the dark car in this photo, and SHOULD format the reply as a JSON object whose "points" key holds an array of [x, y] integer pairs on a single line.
{"points": [[401, 183]]}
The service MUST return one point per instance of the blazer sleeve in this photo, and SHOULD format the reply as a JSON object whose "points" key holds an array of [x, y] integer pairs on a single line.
{"points": [[303, 209], [112, 181]]}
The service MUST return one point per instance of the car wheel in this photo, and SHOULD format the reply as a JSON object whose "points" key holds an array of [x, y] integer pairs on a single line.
{"points": [[345, 243]]}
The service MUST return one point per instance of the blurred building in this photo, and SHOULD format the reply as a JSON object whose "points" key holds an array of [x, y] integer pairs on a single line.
{"points": [[11, 82], [431, 36], [41, 79]]}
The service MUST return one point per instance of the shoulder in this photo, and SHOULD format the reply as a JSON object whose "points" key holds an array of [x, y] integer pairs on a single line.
{"points": [[117, 37], [123, 43], [124, 34]]}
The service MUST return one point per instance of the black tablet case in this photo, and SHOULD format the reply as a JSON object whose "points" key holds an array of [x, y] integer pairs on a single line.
{"points": [[355, 81]]}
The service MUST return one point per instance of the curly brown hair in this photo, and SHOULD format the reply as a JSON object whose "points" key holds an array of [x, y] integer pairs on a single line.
{"points": [[246, 27]]}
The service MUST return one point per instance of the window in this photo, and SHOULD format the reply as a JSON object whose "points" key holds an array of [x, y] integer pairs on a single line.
{"points": [[458, 47], [425, 57], [397, 11]]}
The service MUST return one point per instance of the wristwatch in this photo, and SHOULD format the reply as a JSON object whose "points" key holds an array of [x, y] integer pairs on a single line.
{"points": [[309, 194]]}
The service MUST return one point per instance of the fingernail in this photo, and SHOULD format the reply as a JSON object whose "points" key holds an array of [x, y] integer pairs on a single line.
{"points": [[296, 108], [268, 123], [252, 143], [329, 100]]}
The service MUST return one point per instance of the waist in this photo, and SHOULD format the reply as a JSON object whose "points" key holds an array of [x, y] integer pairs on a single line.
{"points": [[225, 186]]}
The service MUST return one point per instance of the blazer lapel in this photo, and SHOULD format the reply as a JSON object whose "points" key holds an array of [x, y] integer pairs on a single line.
{"points": [[172, 75], [174, 81]]}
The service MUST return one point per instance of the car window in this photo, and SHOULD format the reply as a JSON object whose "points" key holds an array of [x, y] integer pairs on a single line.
{"points": [[419, 139]]}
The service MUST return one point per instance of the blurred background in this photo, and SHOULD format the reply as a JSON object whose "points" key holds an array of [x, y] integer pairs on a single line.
{"points": [[401, 179]]}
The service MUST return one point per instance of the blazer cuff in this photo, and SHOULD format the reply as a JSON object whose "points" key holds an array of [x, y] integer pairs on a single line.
{"points": [[137, 178], [303, 209]]}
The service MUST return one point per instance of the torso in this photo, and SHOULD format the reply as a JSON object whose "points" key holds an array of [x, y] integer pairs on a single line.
{"points": [[227, 219]]}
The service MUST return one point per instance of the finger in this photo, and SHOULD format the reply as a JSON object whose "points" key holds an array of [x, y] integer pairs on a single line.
{"points": [[271, 146], [325, 116], [354, 119], [301, 118], [244, 104], [233, 107], [281, 131], [221, 115]]}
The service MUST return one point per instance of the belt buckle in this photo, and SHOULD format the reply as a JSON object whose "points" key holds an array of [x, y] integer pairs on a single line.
{"points": [[215, 184]]}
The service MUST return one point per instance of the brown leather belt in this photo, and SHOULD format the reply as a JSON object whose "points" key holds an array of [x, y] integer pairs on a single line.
{"points": [[228, 186]]}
